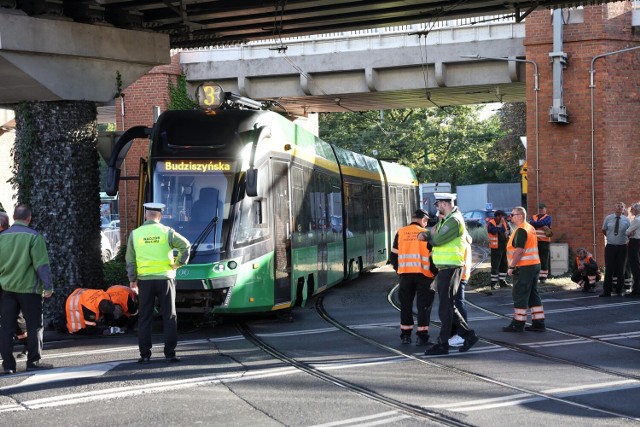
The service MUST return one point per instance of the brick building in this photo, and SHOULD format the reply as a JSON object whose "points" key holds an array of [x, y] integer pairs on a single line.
{"points": [[564, 162]]}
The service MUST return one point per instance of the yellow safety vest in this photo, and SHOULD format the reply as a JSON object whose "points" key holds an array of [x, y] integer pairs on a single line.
{"points": [[452, 252], [154, 256]]}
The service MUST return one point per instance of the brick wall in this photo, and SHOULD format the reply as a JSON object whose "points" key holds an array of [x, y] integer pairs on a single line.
{"points": [[564, 160], [139, 100]]}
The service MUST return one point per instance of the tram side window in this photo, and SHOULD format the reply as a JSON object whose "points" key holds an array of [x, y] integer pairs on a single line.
{"points": [[377, 208], [253, 216], [300, 194], [356, 220], [393, 213]]}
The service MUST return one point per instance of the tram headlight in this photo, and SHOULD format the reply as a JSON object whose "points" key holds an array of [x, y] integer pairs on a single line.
{"points": [[218, 268], [232, 265]]}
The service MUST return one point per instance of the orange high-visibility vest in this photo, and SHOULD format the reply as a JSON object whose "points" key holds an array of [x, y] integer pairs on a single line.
{"points": [[466, 268], [87, 298], [530, 255], [539, 231], [580, 262], [493, 238], [121, 295], [413, 255]]}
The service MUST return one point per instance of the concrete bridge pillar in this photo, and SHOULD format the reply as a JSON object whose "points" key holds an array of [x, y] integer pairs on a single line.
{"points": [[562, 163]]}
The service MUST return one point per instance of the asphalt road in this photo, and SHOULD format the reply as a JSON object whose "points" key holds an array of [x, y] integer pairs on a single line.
{"points": [[340, 363]]}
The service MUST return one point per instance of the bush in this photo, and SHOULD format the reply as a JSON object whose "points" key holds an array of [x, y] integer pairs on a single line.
{"points": [[115, 271], [479, 235]]}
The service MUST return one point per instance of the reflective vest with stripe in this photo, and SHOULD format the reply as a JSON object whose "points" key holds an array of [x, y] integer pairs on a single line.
{"points": [[539, 231], [466, 269], [452, 252], [154, 256], [493, 238], [583, 262], [413, 255], [530, 254], [121, 295], [87, 298]]}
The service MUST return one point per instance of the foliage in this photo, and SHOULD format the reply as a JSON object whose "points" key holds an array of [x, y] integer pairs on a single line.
{"points": [[115, 271], [178, 97], [479, 235], [118, 93], [513, 122], [449, 144], [55, 165], [22, 152]]}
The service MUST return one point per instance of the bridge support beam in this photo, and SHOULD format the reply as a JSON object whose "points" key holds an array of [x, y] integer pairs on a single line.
{"points": [[49, 60]]}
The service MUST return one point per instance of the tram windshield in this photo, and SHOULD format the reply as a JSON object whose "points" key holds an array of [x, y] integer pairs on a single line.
{"points": [[197, 195]]}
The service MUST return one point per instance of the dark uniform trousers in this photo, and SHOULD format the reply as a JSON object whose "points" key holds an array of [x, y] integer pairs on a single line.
{"points": [[31, 306], [615, 260], [165, 290], [448, 281], [525, 287], [418, 285]]}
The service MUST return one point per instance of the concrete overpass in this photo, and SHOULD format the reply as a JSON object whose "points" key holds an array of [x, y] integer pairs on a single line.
{"points": [[376, 69]]}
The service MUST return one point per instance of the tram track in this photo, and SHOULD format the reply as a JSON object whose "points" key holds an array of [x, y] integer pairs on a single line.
{"points": [[485, 252], [430, 414], [462, 372], [413, 410]]}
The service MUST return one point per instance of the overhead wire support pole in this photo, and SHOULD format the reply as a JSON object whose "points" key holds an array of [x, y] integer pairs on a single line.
{"points": [[592, 86], [536, 88]]}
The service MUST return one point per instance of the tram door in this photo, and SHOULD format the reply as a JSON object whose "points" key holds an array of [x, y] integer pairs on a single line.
{"points": [[322, 187], [282, 227], [370, 226]]}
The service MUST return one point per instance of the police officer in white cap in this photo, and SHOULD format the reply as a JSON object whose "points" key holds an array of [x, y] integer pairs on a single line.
{"points": [[448, 254], [151, 267]]}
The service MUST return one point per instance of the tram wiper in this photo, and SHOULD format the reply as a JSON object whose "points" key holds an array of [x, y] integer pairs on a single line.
{"points": [[204, 234], [211, 225]]}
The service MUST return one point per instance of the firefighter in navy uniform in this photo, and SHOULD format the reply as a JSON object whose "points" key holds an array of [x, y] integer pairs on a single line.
{"points": [[410, 258], [498, 231], [586, 274], [542, 224], [151, 267]]}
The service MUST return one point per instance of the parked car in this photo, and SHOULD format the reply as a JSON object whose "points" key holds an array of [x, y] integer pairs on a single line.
{"points": [[114, 224], [477, 218], [107, 250]]}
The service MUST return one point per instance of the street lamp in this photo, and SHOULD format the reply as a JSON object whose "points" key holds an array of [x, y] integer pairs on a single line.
{"points": [[536, 88], [592, 86]]}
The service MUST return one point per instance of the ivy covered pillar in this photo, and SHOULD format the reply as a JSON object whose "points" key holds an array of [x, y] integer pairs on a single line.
{"points": [[55, 167]]}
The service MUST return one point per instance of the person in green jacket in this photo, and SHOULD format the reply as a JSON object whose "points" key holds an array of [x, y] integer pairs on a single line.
{"points": [[25, 278], [151, 267]]}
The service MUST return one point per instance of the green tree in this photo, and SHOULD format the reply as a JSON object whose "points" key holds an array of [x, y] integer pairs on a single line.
{"points": [[451, 144], [513, 122]]}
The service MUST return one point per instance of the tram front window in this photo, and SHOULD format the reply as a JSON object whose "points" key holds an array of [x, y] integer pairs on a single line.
{"points": [[197, 206]]}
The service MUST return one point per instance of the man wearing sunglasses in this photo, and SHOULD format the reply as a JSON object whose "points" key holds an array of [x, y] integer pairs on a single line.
{"points": [[524, 266]]}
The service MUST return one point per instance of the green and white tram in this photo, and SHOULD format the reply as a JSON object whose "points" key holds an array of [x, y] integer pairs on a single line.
{"points": [[274, 213]]}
